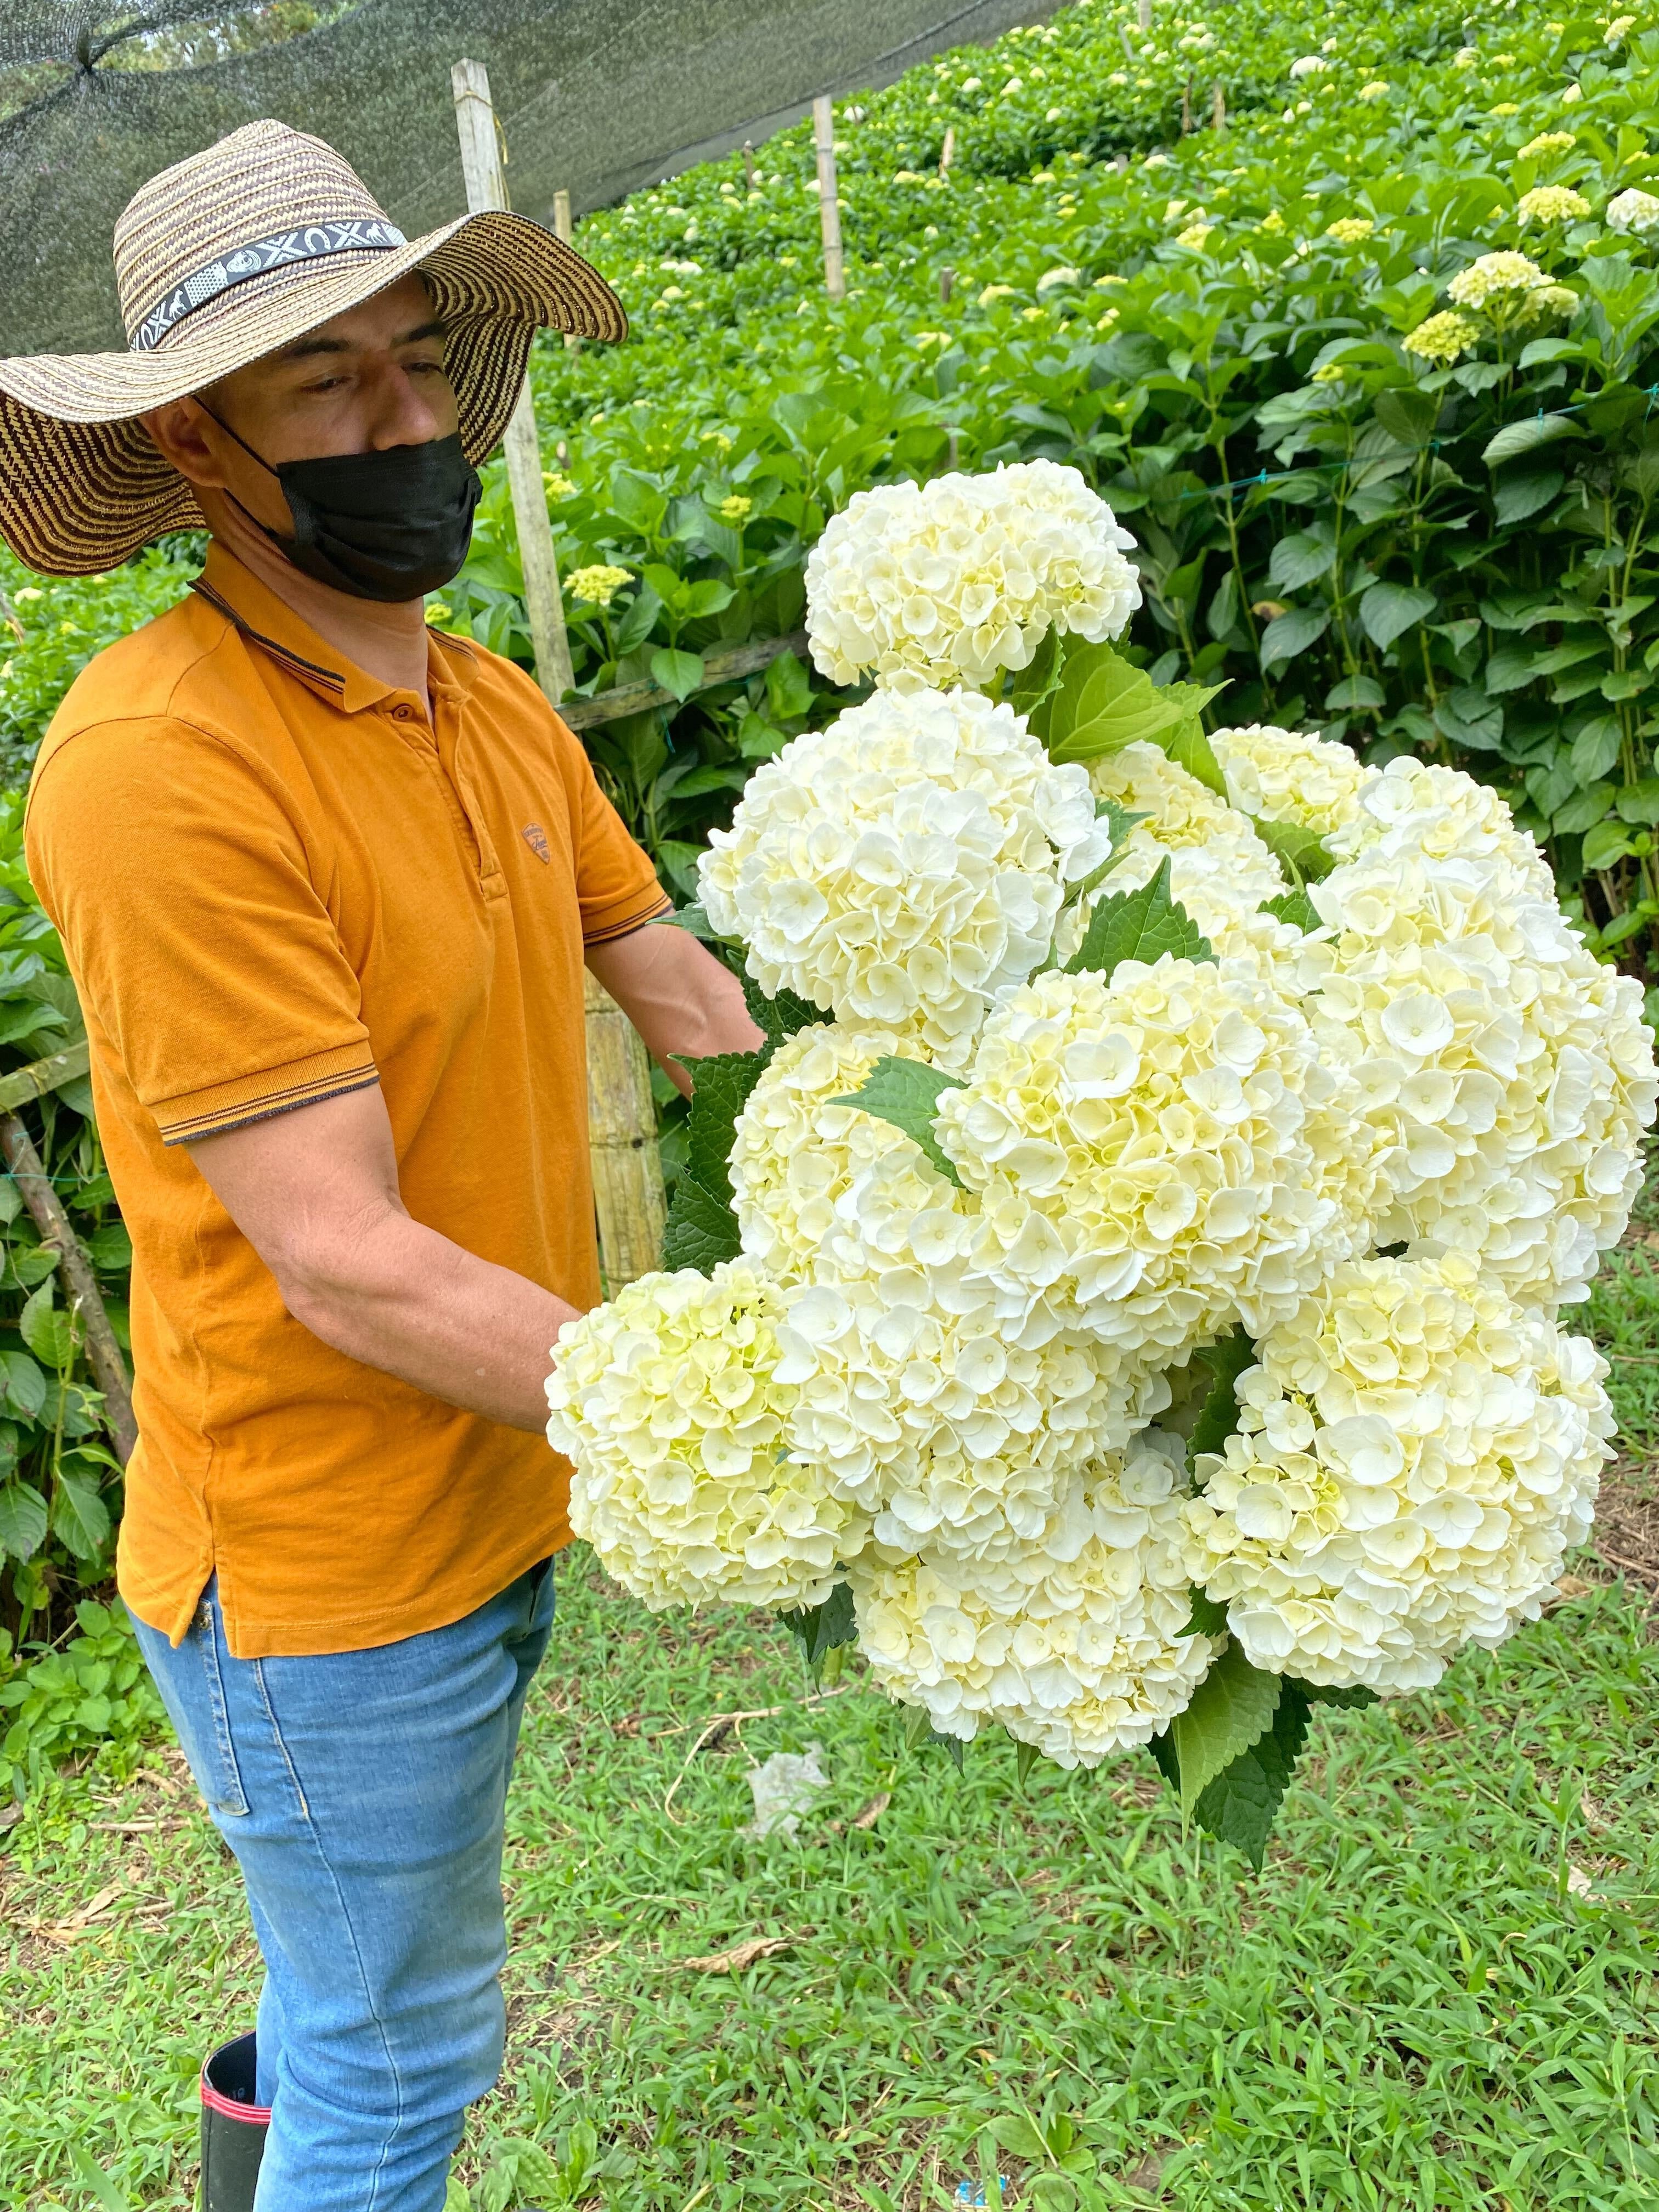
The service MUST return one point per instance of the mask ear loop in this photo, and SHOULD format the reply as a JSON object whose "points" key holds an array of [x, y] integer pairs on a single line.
{"points": [[275, 536]]}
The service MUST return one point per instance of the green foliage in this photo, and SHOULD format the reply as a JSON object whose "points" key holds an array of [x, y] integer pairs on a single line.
{"points": [[93, 1689], [1232, 1706], [1139, 925], [59, 1481], [702, 1228], [1219, 1415], [822, 1629], [907, 1092]]}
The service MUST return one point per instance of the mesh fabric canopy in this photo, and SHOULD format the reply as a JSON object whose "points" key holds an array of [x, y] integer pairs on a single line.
{"points": [[594, 96]]}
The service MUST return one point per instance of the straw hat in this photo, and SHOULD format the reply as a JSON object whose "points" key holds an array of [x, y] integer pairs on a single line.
{"points": [[227, 256]]}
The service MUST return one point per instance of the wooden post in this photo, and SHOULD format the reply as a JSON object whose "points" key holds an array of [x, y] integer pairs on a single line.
{"points": [[1219, 109], [1185, 108], [1145, 14], [79, 1284], [749, 165], [486, 187], [947, 149], [628, 1198], [947, 277], [562, 228], [823, 127]]}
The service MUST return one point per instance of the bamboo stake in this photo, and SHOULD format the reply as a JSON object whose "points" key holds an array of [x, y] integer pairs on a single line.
{"points": [[1145, 14], [1185, 108], [1219, 109], [749, 165], [563, 228], [947, 277], [628, 1198], [947, 149], [79, 1284], [823, 127], [486, 187]]}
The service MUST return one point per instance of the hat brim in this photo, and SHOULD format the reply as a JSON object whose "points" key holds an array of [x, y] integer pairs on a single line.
{"points": [[82, 486]]}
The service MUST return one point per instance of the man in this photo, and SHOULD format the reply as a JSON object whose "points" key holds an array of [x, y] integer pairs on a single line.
{"points": [[326, 882]]}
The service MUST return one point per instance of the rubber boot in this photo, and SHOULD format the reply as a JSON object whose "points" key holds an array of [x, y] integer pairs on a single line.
{"points": [[232, 2128]]}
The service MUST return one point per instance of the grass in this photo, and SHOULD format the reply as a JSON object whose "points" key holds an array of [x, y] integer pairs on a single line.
{"points": [[1438, 1995]]}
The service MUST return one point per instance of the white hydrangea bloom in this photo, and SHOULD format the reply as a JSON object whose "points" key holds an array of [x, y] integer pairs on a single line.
{"points": [[951, 581], [950, 1427], [904, 864], [1218, 867], [669, 1404], [817, 1187], [1150, 1136], [1511, 1072], [1075, 1648], [1289, 775], [1415, 1457], [1414, 807], [1633, 210]]}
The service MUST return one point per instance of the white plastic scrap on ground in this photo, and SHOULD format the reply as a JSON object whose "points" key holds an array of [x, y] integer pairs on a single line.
{"points": [[784, 1787]]}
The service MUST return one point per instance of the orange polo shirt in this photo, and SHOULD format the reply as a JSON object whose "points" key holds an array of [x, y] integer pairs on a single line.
{"points": [[276, 880]]}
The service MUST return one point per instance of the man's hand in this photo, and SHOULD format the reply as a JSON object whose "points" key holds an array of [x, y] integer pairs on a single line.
{"points": [[315, 1192], [676, 994]]}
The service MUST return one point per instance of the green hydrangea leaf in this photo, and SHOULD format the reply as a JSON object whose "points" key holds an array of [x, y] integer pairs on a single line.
{"points": [[781, 1017], [1232, 1709], [1319, 1693], [1026, 1756], [1103, 703], [700, 1230], [819, 1629], [1033, 687], [22, 1520], [1139, 925], [907, 1092], [720, 1084], [1207, 1616], [1239, 1806], [1294, 906], [1218, 1416], [1309, 857], [80, 1518]]}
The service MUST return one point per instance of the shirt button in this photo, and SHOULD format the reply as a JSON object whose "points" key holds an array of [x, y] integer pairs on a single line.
{"points": [[403, 713]]}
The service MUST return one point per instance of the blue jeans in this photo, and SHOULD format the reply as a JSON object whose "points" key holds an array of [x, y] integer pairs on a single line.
{"points": [[363, 1794]]}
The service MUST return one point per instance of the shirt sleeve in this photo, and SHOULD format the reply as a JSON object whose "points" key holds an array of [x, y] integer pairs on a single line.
{"points": [[616, 886], [182, 891]]}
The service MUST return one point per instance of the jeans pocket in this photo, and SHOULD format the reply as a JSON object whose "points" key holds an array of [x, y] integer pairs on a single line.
{"points": [[211, 1754]]}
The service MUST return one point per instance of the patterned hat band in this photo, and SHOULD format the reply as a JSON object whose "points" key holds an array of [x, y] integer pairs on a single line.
{"points": [[312, 241]]}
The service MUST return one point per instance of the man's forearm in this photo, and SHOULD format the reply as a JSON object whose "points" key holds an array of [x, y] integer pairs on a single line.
{"points": [[677, 995], [404, 1299]]}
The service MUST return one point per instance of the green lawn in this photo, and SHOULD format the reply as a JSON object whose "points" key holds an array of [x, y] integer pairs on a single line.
{"points": [[1413, 2006]]}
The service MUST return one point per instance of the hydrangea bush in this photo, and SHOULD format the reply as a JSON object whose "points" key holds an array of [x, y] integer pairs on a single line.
{"points": [[1133, 1315]]}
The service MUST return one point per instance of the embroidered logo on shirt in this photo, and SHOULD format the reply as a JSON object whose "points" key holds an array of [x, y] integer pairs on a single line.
{"points": [[536, 837]]}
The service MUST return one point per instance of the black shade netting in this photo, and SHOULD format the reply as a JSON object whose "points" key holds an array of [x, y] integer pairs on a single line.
{"points": [[593, 97]]}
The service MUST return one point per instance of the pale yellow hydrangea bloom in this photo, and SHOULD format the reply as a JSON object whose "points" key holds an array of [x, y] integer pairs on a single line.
{"points": [[1289, 775], [817, 1185], [903, 865], [668, 1403], [1414, 1458], [1217, 864], [954, 580], [1442, 338], [1551, 203], [1493, 277], [1076, 1648], [1150, 1135], [1548, 143], [1350, 230], [596, 587]]}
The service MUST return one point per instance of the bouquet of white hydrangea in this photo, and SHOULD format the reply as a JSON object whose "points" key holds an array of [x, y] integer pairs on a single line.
{"points": [[1120, 1298]]}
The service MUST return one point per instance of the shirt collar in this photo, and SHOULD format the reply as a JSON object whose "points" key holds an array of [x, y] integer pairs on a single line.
{"points": [[269, 623]]}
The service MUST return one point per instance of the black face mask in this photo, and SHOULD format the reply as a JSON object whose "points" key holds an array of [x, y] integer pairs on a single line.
{"points": [[390, 525]]}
